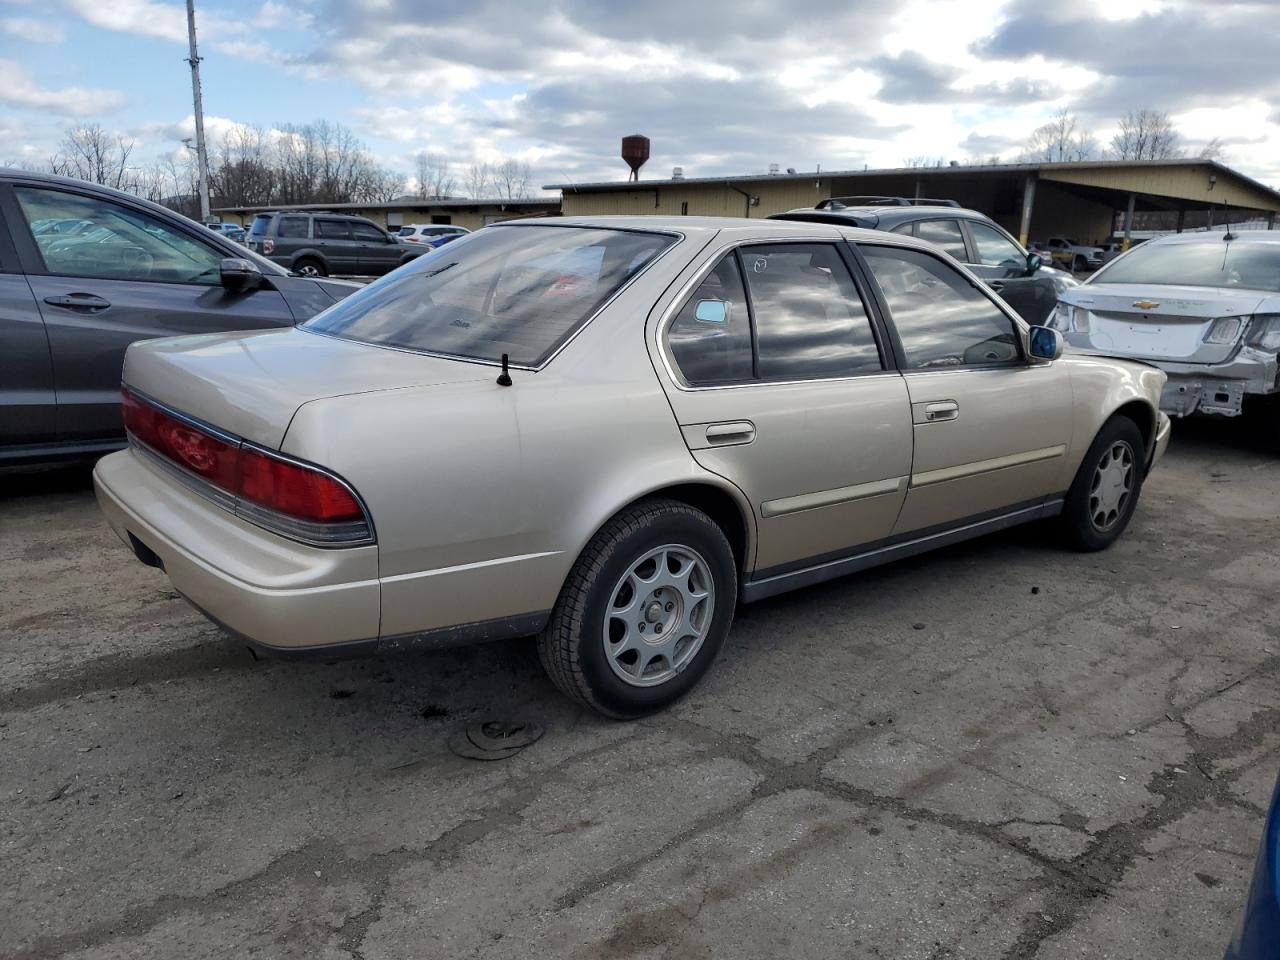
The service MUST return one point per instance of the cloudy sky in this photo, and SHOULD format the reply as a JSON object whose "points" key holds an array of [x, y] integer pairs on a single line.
{"points": [[720, 86]]}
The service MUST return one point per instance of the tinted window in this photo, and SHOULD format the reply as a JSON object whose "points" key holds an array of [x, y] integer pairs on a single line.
{"points": [[940, 318], [332, 229], [522, 291], [904, 228], [809, 319], [292, 227], [717, 348], [259, 226], [115, 242], [944, 234], [367, 231], [994, 248], [1253, 265]]}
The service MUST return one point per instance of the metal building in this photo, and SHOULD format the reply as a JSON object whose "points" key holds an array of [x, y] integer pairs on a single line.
{"points": [[1088, 201]]}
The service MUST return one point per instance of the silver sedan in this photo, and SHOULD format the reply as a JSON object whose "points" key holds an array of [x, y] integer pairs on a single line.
{"points": [[607, 433]]}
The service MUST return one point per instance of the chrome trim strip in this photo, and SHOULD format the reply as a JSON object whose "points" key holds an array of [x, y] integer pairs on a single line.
{"points": [[464, 567], [987, 466], [829, 498], [771, 586]]}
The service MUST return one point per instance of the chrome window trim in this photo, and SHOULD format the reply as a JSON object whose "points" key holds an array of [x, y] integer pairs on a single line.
{"points": [[308, 532], [682, 295], [676, 235]]}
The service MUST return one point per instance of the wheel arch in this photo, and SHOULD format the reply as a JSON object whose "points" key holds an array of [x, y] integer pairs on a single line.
{"points": [[1144, 418]]}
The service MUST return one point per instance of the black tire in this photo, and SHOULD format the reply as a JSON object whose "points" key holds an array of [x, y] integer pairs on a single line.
{"points": [[572, 646], [1081, 513], [310, 267], [1079, 264]]}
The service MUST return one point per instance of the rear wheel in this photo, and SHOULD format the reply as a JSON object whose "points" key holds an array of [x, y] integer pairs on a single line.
{"points": [[1105, 491], [644, 611], [310, 267]]}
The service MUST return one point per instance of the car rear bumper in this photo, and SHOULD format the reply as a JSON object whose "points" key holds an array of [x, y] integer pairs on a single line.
{"points": [[270, 591], [1217, 388]]}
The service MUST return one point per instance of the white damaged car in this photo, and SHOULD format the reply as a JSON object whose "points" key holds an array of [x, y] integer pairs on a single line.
{"points": [[1203, 307]]}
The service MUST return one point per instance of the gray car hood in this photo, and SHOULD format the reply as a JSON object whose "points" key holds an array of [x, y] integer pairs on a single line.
{"points": [[251, 384]]}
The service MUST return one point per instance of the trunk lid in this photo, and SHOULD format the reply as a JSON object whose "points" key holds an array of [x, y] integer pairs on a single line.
{"points": [[1158, 321], [251, 384]]}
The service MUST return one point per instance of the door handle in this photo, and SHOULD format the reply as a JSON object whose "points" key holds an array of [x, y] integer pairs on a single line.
{"points": [[996, 285], [79, 301], [727, 434], [943, 410]]}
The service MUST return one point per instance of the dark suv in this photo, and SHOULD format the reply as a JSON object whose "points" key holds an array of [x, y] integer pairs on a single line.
{"points": [[323, 244], [1023, 281]]}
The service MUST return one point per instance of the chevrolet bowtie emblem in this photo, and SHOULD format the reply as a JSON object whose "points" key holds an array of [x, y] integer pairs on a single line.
{"points": [[1145, 304]]}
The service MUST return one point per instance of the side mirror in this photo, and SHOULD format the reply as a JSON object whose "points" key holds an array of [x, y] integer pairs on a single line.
{"points": [[711, 311], [238, 274], [1034, 263], [1044, 344]]}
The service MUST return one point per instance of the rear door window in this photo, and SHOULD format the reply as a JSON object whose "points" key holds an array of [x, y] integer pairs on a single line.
{"points": [[809, 320], [945, 235], [295, 227], [332, 229]]}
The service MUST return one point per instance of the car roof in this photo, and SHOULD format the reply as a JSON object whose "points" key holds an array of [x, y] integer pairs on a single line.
{"points": [[1204, 236], [885, 216], [748, 228]]}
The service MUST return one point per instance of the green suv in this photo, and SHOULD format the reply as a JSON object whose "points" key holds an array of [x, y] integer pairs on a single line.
{"points": [[325, 244]]}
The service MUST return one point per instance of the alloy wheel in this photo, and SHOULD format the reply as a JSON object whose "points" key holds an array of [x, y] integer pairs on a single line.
{"points": [[1112, 486], [658, 616]]}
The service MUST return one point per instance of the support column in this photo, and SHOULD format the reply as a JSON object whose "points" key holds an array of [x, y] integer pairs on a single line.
{"points": [[1028, 203], [1182, 219], [1211, 216], [1271, 220], [1128, 224]]}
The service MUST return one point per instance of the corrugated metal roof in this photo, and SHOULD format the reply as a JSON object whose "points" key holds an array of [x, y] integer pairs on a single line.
{"points": [[994, 169], [539, 203]]}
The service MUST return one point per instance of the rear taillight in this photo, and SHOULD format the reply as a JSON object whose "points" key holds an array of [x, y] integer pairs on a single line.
{"points": [[1225, 329], [268, 246], [286, 496]]}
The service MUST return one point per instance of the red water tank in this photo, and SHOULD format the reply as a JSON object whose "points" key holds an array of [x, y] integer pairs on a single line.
{"points": [[635, 150]]}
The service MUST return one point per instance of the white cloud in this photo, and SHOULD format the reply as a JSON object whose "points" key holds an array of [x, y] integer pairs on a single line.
{"points": [[164, 21], [33, 30], [19, 89]]}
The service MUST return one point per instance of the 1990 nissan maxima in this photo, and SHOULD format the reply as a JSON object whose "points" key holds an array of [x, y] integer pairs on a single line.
{"points": [[607, 432]]}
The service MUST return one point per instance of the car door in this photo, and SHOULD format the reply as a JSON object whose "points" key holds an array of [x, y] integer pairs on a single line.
{"points": [[377, 252], [151, 276], [1002, 265], [27, 400], [332, 237], [991, 429], [779, 384]]}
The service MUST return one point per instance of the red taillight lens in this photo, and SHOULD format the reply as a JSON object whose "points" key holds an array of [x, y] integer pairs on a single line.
{"points": [[285, 491], [295, 490]]}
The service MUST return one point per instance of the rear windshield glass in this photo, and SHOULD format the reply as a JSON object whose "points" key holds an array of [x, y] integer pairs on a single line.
{"points": [[1213, 263], [259, 227], [522, 291]]}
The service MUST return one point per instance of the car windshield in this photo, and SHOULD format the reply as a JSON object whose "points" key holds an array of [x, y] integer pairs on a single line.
{"points": [[1211, 263], [518, 290]]}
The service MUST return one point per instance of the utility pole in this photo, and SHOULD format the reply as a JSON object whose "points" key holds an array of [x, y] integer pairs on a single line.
{"points": [[202, 158]]}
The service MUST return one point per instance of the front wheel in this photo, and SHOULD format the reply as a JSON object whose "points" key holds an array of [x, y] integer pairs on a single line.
{"points": [[1105, 491], [644, 611]]}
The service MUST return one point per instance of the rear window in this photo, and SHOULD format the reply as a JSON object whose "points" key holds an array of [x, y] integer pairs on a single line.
{"points": [[292, 227], [259, 226], [522, 291], [1213, 263]]}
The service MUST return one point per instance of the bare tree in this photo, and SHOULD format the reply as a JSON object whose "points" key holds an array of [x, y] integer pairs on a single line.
{"points": [[921, 162], [511, 179], [90, 153], [477, 179], [242, 168], [1213, 150], [1146, 135], [1060, 141], [435, 180]]}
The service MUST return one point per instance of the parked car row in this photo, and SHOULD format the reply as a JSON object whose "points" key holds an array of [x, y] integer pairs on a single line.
{"points": [[430, 234]]}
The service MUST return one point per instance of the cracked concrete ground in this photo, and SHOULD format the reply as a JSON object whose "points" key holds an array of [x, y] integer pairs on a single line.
{"points": [[1077, 770]]}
